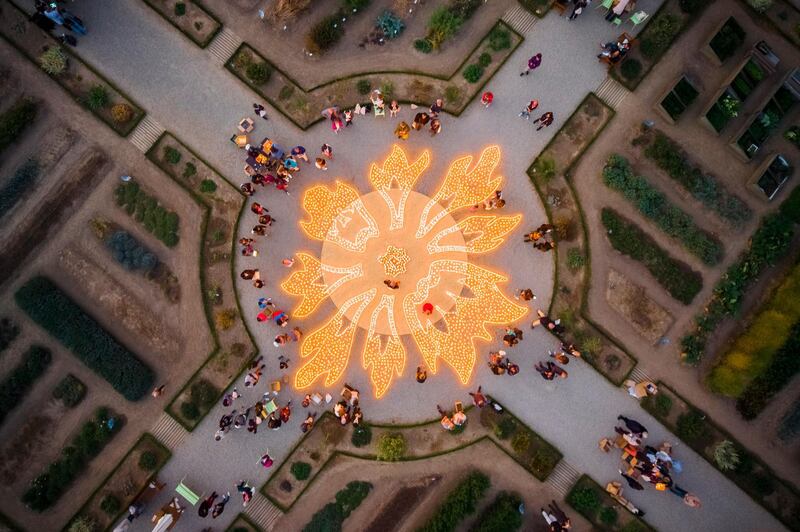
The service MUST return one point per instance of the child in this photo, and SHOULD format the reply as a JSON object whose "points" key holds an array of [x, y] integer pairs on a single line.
{"points": [[394, 108], [321, 164]]}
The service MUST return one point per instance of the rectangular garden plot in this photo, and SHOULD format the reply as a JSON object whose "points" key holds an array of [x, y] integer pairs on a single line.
{"points": [[679, 98], [190, 17]]}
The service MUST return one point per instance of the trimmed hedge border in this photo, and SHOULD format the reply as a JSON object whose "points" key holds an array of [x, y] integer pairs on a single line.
{"points": [[60, 316], [461, 502], [278, 106], [346, 499], [16, 384], [72, 54]]}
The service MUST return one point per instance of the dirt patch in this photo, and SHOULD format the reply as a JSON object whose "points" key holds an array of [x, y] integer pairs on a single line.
{"points": [[119, 304], [61, 201], [25, 448], [646, 316]]}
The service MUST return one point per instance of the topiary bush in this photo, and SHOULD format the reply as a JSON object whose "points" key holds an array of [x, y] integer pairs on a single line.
{"points": [[423, 45], [171, 155], [484, 60], [18, 185], [258, 73], [362, 435], [301, 470], [180, 9], [21, 378], [499, 39], [56, 313], [391, 447], [325, 34], [207, 186], [148, 461], [363, 86], [473, 73], [110, 505], [15, 120], [630, 69], [585, 500], [97, 97], [121, 113], [189, 170], [70, 391], [53, 61]]}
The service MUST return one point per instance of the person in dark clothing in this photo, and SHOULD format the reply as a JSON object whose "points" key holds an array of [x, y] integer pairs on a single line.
{"points": [[205, 506], [578, 9], [632, 482], [634, 426], [220, 506]]}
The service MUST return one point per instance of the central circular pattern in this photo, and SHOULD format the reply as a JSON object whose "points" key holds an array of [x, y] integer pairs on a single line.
{"points": [[394, 261], [395, 230]]}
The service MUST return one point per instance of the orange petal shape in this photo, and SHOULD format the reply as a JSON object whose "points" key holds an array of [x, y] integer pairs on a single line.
{"points": [[383, 363], [397, 168], [487, 234]]}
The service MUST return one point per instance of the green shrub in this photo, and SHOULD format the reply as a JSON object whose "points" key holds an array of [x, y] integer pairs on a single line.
{"points": [[391, 447], [286, 92], [521, 442], [423, 45], [47, 488], [97, 98], [442, 25], [677, 278], [500, 516], [693, 429], [258, 73], [70, 391], [155, 218], [575, 259], [110, 505], [16, 120], [148, 461], [53, 61], [706, 188], [506, 428], [726, 456], [452, 94], [325, 34], [180, 9], [618, 175], [387, 89], [8, 333], [362, 435], [760, 6], [333, 514], [473, 73], [190, 411], [207, 186], [585, 500], [544, 169], [459, 503], [130, 253], [55, 312], [363, 86], [301, 470], [18, 185], [630, 69], [727, 40], [18, 382], [661, 405], [484, 60], [608, 516], [171, 155], [83, 524], [499, 39], [189, 170], [659, 34], [391, 25]]}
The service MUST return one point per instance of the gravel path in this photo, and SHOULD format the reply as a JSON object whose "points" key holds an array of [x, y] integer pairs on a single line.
{"points": [[188, 94]]}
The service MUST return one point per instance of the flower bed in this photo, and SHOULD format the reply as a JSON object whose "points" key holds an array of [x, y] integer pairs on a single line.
{"points": [[460, 503], [233, 345], [301, 105], [676, 277], [753, 352], [445, 22], [671, 158], [78, 78], [15, 386], [94, 435], [55, 312], [190, 17], [502, 514], [125, 482], [13, 123], [19, 184], [550, 175], [333, 514], [147, 210], [768, 244], [590, 500], [618, 175], [753, 476]]}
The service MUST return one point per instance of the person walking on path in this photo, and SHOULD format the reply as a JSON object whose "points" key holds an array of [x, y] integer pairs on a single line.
{"points": [[533, 63], [526, 113], [402, 130], [246, 490], [260, 111], [327, 151], [205, 506], [220, 506], [478, 398], [254, 373], [634, 426], [544, 121], [578, 9], [487, 98], [156, 393], [266, 460], [422, 375]]}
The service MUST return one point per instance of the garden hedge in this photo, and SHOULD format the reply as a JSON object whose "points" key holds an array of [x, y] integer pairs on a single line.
{"points": [[47, 488], [55, 312], [15, 120], [149, 212], [16, 385], [459, 503], [676, 277], [704, 187], [70, 391], [500, 516], [15, 188], [618, 175], [8, 333], [752, 353], [769, 243], [333, 514]]}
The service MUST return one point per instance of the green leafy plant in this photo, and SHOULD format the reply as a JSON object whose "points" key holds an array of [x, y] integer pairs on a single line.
{"points": [[171, 155], [97, 97], [325, 34], [130, 253], [189, 410], [110, 505], [659, 405], [502, 515], [387, 89], [460, 503], [333, 514], [499, 39], [452, 94], [630, 69], [726, 456], [18, 382], [521, 442], [544, 168], [70, 391], [391, 447], [442, 25], [608, 516], [207, 186], [423, 45], [730, 105], [83, 524], [693, 428], [575, 259], [391, 25], [56, 313], [301, 470], [53, 61], [189, 170], [286, 92], [258, 73], [362, 435], [180, 9], [585, 500], [659, 34], [363, 86], [146, 209], [148, 461], [484, 60], [473, 73], [121, 113], [15, 120], [505, 428]]}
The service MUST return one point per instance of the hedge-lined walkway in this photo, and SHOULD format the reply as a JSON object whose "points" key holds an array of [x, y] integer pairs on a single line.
{"points": [[202, 105]]}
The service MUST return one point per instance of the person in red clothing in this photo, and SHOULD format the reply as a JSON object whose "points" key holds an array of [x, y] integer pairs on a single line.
{"points": [[427, 309], [487, 98]]}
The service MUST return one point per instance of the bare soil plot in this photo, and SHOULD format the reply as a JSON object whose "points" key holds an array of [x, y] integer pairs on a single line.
{"points": [[649, 318], [190, 17]]}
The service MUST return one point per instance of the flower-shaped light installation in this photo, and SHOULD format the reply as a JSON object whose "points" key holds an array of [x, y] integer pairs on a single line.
{"points": [[396, 235]]}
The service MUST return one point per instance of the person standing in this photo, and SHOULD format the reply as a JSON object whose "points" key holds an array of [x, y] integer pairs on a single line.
{"points": [[246, 490], [436, 107], [533, 63], [327, 151], [220, 506], [544, 121], [578, 9], [526, 113], [260, 111], [487, 98], [422, 375]]}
